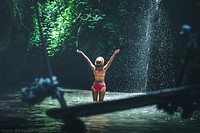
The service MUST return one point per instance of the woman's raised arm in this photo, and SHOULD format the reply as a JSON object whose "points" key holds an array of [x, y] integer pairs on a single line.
{"points": [[111, 59], [87, 59]]}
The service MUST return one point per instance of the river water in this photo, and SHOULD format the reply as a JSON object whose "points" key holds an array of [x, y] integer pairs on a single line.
{"points": [[17, 117]]}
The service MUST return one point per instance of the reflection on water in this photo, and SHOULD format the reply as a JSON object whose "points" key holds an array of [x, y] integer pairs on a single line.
{"points": [[19, 117], [96, 124]]}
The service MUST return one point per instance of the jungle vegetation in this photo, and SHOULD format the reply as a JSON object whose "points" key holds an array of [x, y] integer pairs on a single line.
{"points": [[97, 27]]}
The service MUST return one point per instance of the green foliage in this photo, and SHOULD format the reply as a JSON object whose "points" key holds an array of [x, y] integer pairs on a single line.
{"points": [[113, 26], [15, 9], [60, 20], [14, 19]]}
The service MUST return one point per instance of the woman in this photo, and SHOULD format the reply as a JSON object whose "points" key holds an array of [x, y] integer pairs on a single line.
{"points": [[99, 71]]}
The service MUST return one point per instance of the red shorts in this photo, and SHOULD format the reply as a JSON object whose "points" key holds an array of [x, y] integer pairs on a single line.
{"points": [[98, 87]]}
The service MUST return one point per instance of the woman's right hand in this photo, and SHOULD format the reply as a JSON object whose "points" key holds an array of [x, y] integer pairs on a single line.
{"points": [[78, 51]]}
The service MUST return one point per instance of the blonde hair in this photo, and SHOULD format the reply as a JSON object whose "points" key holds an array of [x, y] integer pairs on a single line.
{"points": [[99, 61]]}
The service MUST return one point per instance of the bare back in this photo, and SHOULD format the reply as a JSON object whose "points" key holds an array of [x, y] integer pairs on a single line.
{"points": [[99, 75], [99, 72]]}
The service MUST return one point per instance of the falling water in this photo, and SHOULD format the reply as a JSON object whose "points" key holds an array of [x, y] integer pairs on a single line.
{"points": [[149, 29], [147, 41]]}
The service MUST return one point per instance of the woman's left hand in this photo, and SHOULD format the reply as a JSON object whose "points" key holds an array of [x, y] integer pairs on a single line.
{"points": [[117, 51]]}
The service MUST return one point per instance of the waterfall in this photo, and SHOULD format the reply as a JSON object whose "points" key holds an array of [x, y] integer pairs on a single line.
{"points": [[141, 46]]}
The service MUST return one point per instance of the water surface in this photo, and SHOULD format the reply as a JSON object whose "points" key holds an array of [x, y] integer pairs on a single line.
{"points": [[16, 116]]}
